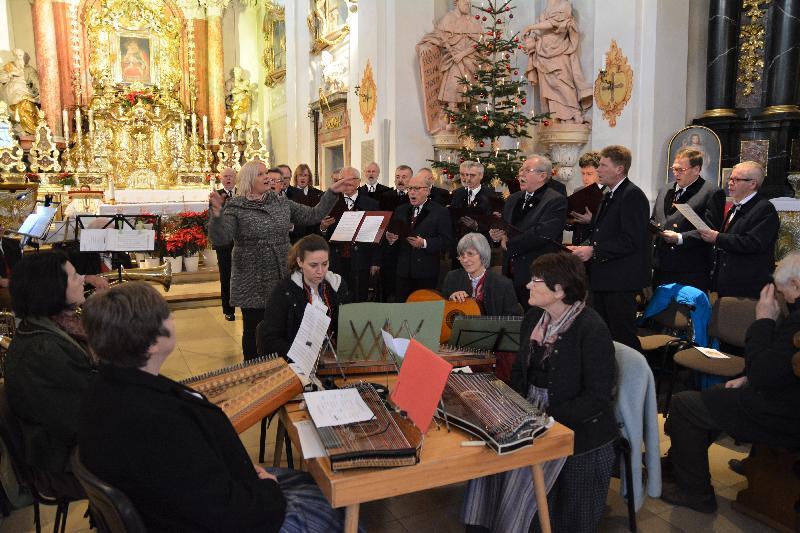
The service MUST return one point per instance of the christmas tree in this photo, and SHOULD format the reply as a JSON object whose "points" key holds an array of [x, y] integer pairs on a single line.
{"points": [[494, 102]]}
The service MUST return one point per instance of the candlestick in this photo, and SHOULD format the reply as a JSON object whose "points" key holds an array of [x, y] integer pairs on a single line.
{"points": [[91, 120], [65, 124]]}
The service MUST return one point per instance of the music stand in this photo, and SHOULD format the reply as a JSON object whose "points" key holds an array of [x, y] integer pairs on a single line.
{"points": [[37, 224], [118, 221], [500, 334]]}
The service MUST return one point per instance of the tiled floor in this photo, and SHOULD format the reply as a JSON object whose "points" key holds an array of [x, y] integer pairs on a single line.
{"points": [[206, 341]]}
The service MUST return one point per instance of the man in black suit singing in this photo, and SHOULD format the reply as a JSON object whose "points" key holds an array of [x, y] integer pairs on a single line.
{"points": [[354, 261], [744, 248], [619, 253], [228, 179], [681, 255], [540, 213], [372, 188], [474, 196], [429, 232]]}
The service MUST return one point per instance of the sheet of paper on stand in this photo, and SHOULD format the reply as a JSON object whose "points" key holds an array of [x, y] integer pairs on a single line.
{"points": [[369, 229], [337, 407], [712, 353], [397, 346], [62, 231], [117, 240], [420, 384], [308, 341], [347, 226], [38, 222], [690, 215], [310, 443]]}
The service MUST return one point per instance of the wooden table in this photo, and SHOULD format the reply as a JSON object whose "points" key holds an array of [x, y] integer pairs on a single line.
{"points": [[443, 461]]}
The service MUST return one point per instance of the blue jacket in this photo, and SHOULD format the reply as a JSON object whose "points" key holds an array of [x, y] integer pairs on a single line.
{"points": [[683, 294]]}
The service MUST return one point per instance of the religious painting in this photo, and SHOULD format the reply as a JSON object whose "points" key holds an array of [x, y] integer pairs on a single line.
{"points": [[726, 176], [757, 151], [275, 50], [135, 59], [705, 141], [327, 23]]}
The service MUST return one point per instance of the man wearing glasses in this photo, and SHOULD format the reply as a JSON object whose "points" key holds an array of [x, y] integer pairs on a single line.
{"points": [[744, 248], [540, 213], [681, 255]]}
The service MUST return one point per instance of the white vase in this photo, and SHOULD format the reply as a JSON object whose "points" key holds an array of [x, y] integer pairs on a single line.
{"points": [[191, 262], [175, 263], [209, 257], [152, 262]]}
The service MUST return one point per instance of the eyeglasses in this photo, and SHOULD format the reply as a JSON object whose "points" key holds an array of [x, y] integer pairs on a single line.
{"points": [[737, 180], [679, 170], [537, 280], [415, 189], [530, 170]]}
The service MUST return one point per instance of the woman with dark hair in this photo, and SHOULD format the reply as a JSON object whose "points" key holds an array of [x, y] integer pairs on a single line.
{"points": [[591, 194], [48, 367], [170, 450], [309, 282], [567, 366]]}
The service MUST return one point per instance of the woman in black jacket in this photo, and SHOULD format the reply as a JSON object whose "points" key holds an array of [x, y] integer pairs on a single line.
{"points": [[309, 282], [565, 364]]}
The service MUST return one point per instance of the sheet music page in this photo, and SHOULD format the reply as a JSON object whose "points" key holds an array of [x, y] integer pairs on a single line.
{"points": [[308, 341], [347, 226], [337, 407], [690, 215], [310, 443], [93, 240], [369, 229], [131, 240], [38, 222], [711, 353], [396, 346]]}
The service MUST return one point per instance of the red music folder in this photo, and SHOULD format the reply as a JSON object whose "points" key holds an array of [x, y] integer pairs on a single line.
{"points": [[361, 226], [420, 384]]}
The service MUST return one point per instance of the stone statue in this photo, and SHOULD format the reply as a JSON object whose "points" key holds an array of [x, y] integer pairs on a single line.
{"points": [[553, 45], [455, 35], [19, 88], [239, 96]]}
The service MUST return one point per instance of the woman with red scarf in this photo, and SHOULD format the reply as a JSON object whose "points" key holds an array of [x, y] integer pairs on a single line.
{"points": [[309, 282]]}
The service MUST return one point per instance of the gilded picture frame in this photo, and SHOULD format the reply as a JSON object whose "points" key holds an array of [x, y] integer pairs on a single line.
{"points": [[327, 23], [134, 58], [704, 140], [275, 44]]}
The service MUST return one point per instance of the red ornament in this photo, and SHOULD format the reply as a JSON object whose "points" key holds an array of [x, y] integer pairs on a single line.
{"points": [[511, 15], [519, 46], [478, 17], [481, 144], [484, 18], [516, 73], [524, 101], [516, 39], [546, 123], [490, 32], [486, 118]]}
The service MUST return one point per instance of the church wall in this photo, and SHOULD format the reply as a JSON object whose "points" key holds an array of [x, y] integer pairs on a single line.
{"points": [[6, 32], [20, 14]]}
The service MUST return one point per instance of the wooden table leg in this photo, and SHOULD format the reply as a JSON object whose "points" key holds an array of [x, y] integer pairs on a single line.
{"points": [[540, 490], [351, 519], [279, 438]]}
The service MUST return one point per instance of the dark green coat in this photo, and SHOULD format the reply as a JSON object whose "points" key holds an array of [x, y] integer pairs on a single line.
{"points": [[47, 376]]}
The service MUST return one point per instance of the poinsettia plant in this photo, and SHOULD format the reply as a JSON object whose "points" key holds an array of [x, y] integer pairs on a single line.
{"points": [[66, 179], [191, 219], [186, 241], [133, 97]]}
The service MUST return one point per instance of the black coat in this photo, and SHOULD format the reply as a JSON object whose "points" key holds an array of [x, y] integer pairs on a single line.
{"points": [[458, 199], [380, 188], [286, 307], [745, 253], [499, 298], [694, 255], [621, 241], [12, 253], [440, 196], [390, 200], [363, 254], [311, 198], [433, 225], [175, 455], [764, 410], [545, 219], [581, 380]]}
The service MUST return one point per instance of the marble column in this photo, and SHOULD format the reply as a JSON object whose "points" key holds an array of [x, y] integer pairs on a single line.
{"points": [[216, 70], [47, 62], [783, 58], [721, 66]]}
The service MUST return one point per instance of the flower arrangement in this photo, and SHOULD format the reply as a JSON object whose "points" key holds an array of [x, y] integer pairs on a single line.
{"points": [[193, 219], [32, 177], [134, 97], [213, 178], [66, 179], [186, 241]]}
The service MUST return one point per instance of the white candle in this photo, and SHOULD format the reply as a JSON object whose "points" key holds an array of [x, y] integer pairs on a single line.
{"points": [[605, 59], [205, 129], [91, 121], [194, 124], [65, 124], [78, 128]]}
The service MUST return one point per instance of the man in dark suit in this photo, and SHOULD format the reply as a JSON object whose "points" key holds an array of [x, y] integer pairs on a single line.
{"points": [[286, 181], [681, 255], [228, 179], [372, 188], [439, 195], [744, 248], [389, 201], [429, 232], [540, 213], [619, 254], [354, 261], [304, 193], [475, 197]]}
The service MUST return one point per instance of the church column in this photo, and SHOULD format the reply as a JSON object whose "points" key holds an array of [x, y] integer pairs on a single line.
{"points": [[216, 71], [47, 62], [783, 59], [723, 43]]}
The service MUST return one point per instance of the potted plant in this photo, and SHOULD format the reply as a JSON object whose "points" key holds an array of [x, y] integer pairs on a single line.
{"points": [[186, 242], [190, 219], [66, 180]]}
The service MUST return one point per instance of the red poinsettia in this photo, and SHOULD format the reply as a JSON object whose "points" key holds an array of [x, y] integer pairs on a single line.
{"points": [[186, 241], [134, 96]]}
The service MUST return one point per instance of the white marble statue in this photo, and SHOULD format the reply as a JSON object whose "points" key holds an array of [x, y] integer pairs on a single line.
{"points": [[19, 88]]}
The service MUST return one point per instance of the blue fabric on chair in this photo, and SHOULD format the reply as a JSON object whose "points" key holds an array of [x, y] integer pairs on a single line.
{"points": [[697, 300]]}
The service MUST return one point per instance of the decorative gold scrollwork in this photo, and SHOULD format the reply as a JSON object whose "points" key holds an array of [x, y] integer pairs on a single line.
{"points": [[751, 57], [275, 50], [326, 25]]}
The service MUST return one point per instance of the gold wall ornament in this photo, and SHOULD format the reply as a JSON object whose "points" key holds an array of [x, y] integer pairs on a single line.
{"points": [[10, 151], [367, 97], [254, 146], [751, 49], [274, 28], [43, 155], [327, 23], [614, 84]]}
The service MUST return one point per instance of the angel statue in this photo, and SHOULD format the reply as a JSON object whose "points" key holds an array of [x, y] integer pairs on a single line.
{"points": [[19, 88]]}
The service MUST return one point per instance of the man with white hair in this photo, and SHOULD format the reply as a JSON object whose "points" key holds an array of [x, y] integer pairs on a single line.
{"points": [[744, 248], [758, 407], [372, 187]]}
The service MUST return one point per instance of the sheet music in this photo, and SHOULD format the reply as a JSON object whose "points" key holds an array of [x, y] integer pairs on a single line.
{"points": [[38, 222], [308, 341], [369, 229], [114, 240], [337, 407], [690, 215], [711, 353], [93, 240], [310, 443], [347, 226], [396, 346]]}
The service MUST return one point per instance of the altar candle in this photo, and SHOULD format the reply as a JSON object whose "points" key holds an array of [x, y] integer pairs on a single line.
{"points": [[605, 59], [78, 128], [91, 120], [205, 129], [65, 124], [194, 124]]}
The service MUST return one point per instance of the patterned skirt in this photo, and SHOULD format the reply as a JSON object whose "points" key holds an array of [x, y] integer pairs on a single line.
{"points": [[307, 510]]}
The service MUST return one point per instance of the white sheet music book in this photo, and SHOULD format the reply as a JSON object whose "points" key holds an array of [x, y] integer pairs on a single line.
{"points": [[347, 226], [397, 346], [308, 341], [692, 216], [369, 228], [38, 222], [117, 240], [337, 407]]}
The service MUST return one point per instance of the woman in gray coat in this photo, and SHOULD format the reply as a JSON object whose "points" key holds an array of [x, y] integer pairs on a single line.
{"points": [[257, 221]]}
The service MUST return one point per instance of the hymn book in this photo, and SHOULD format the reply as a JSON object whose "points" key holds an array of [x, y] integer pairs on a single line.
{"points": [[361, 226]]}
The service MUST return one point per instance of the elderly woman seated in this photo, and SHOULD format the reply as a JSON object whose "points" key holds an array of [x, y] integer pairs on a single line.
{"points": [[565, 364], [48, 368], [171, 451], [493, 292]]}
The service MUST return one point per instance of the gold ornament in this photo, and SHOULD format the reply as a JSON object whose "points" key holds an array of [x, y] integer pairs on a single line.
{"points": [[614, 84], [367, 97]]}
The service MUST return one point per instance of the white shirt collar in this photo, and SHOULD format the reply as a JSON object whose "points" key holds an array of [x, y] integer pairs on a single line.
{"points": [[747, 198], [617, 185], [474, 191], [305, 189], [354, 197]]}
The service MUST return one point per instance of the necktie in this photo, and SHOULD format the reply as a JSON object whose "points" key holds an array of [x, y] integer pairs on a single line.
{"points": [[350, 203], [371, 188], [528, 199], [401, 193], [469, 197], [416, 211], [678, 193], [729, 218]]}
